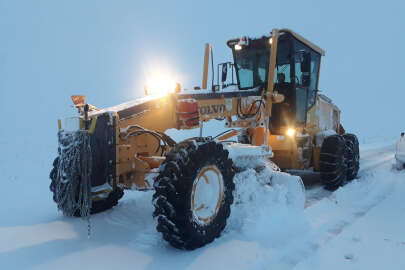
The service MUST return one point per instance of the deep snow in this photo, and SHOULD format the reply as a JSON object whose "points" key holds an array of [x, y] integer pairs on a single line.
{"points": [[359, 226]]}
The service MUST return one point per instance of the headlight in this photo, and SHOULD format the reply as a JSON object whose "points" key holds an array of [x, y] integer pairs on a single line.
{"points": [[238, 47], [290, 132], [161, 86]]}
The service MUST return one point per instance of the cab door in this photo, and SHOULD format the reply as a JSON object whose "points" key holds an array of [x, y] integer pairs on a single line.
{"points": [[302, 83], [306, 70]]}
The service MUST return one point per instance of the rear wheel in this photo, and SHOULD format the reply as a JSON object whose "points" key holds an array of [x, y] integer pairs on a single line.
{"points": [[332, 162], [352, 155], [97, 206], [193, 194]]}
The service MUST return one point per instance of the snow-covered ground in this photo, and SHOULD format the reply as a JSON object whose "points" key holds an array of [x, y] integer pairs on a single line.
{"points": [[359, 226]]}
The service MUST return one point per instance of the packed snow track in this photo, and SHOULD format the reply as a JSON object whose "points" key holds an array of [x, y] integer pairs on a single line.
{"points": [[359, 226]]}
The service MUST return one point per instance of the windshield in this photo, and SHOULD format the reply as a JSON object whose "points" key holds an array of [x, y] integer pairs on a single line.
{"points": [[251, 66], [252, 63]]}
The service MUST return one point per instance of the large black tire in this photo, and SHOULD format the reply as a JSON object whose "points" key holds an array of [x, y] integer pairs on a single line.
{"points": [[97, 205], [352, 155], [332, 162], [174, 189]]}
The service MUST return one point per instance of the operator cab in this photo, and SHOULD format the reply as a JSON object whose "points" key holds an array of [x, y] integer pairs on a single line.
{"points": [[296, 74]]}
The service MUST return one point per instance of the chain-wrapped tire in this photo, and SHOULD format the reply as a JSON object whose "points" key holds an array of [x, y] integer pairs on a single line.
{"points": [[193, 194], [352, 155], [97, 206], [332, 162]]}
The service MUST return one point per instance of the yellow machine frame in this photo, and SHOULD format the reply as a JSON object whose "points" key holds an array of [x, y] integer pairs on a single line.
{"points": [[136, 157]]}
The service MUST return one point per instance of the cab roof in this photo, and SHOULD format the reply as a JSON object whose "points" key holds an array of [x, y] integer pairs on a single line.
{"points": [[303, 40], [311, 45]]}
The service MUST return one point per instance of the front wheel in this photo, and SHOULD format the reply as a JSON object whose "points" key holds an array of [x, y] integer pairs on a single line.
{"points": [[97, 206], [193, 194]]}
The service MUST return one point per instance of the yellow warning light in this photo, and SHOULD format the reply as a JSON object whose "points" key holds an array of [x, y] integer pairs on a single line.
{"points": [[78, 99]]}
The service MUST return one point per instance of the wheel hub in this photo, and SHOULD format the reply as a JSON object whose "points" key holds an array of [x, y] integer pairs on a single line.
{"points": [[207, 194]]}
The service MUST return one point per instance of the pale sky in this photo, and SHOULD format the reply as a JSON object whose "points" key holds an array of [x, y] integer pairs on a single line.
{"points": [[50, 50]]}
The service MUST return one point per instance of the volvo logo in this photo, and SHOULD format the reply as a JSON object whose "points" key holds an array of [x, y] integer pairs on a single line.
{"points": [[211, 109]]}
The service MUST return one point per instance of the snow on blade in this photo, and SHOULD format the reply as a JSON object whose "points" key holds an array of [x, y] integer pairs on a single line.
{"points": [[257, 158], [248, 156], [268, 203], [264, 214]]}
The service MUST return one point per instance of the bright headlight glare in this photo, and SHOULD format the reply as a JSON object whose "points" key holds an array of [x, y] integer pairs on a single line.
{"points": [[290, 132], [160, 85], [238, 47], [270, 41]]}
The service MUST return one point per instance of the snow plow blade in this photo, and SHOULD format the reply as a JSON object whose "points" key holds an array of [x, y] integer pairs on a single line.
{"points": [[258, 158]]}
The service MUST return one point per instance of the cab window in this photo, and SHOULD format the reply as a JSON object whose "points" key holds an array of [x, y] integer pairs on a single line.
{"points": [[314, 70]]}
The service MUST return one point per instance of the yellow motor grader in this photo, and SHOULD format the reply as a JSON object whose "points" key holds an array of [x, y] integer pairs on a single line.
{"points": [[271, 109]]}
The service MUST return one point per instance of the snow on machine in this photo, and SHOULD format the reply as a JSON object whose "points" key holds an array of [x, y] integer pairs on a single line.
{"points": [[275, 119]]}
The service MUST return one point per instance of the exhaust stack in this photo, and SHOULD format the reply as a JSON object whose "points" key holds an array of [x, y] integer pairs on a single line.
{"points": [[205, 68]]}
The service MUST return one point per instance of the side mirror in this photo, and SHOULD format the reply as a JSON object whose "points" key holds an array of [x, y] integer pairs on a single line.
{"points": [[305, 66], [224, 72]]}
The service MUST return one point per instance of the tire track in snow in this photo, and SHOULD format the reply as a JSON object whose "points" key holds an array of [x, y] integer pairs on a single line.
{"points": [[329, 213], [370, 159], [332, 215]]}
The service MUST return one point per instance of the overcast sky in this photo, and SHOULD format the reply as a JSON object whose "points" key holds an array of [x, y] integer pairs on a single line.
{"points": [[50, 50]]}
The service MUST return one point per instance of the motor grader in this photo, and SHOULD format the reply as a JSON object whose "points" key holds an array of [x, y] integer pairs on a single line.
{"points": [[272, 110]]}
